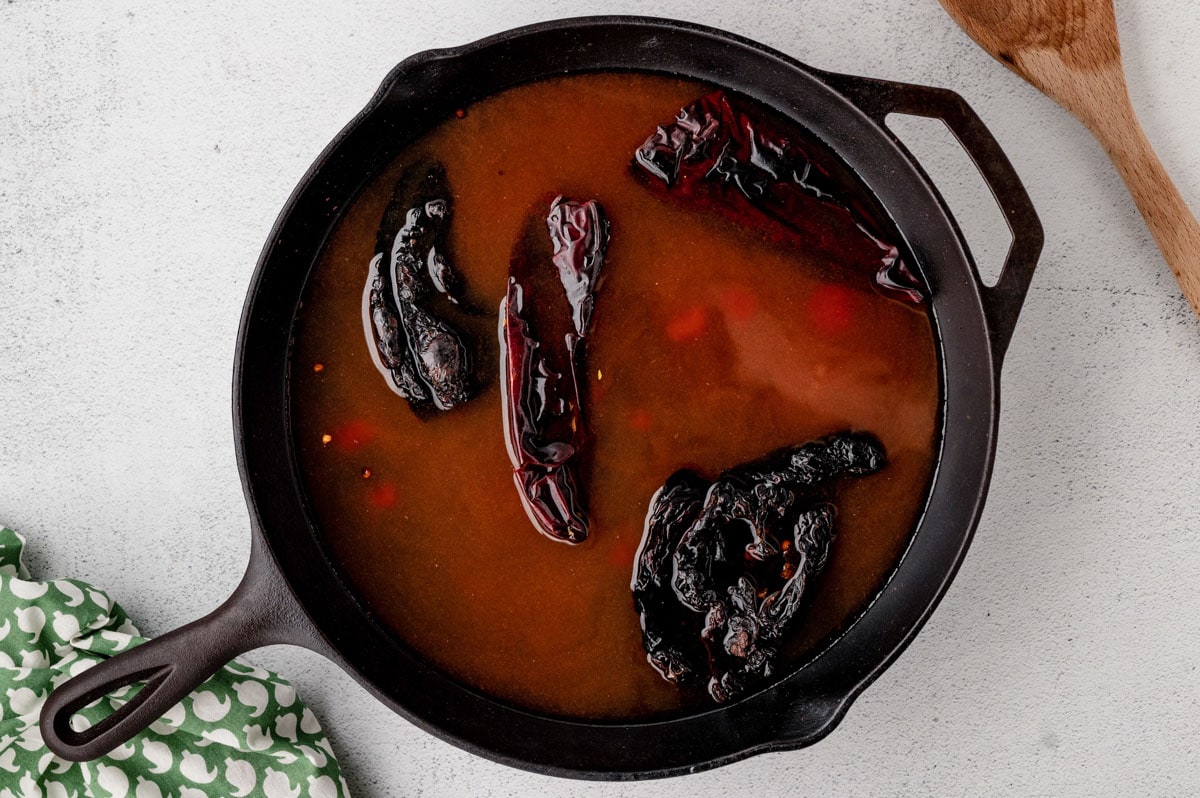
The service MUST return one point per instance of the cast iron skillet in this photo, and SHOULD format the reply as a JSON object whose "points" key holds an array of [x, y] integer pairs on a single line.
{"points": [[292, 593]]}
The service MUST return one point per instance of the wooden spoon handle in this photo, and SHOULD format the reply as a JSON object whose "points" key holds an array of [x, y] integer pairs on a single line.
{"points": [[1171, 223]]}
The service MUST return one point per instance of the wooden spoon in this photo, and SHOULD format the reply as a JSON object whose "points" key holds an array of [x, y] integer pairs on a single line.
{"points": [[1068, 49]]}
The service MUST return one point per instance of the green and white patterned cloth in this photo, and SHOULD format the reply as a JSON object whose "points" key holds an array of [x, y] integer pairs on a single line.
{"points": [[242, 733]]}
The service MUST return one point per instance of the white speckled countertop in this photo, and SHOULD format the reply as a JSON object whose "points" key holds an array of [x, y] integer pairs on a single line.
{"points": [[145, 150]]}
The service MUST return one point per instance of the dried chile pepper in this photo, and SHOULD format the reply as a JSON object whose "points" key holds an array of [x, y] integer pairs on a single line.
{"points": [[543, 327], [672, 510], [723, 566], [423, 355], [720, 154]]}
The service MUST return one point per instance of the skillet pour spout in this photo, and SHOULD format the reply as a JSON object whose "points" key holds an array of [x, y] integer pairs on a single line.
{"points": [[293, 593]]}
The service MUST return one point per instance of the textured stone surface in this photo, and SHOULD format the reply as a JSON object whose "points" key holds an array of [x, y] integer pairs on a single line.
{"points": [[145, 151]]}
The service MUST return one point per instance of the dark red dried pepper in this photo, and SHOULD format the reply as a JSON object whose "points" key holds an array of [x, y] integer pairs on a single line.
{"points": [[723, 566], [718, 153], [544, 323]]}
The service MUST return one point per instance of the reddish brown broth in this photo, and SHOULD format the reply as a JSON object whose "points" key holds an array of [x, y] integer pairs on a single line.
{"points": [[710, 347]]}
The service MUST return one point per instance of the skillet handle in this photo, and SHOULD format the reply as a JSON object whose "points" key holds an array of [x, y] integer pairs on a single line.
{"points": [[1001, 302], [260, 612]]}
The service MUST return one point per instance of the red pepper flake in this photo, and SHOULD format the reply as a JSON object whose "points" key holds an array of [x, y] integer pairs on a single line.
{"points": [[641, 420], [384, 495], [739, 303], [688, 325], [461, 113], [599, 387], [366, 473], [318, 368]]}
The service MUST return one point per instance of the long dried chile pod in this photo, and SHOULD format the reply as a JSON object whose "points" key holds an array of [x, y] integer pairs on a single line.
{"points": [[718, 153], [544, 321]]}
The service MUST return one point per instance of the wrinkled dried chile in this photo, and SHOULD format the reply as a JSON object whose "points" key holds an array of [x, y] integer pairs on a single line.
{"points": [[408, 287], [723, 565], [717, 153], [544, 321]]}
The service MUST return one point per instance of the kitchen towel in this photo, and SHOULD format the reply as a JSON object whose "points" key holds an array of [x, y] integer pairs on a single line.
{"points": [[244, 732]]}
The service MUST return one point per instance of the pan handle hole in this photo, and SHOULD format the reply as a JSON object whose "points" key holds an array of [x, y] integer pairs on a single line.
{"points": [[105, 706], [979, 218]]}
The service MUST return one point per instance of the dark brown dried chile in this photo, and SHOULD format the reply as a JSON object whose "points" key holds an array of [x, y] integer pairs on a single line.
{"points": [[542, 334], [723, 566], [718, 153], [424, 356], [674, 654]]}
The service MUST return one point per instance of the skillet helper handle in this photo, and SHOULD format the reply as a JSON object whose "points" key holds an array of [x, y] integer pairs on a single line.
{"points": [[173, 665], [1001, 302]]}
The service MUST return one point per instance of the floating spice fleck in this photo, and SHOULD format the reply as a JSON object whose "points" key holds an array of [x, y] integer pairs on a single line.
{"points": [[366, 473], [326, 438]]}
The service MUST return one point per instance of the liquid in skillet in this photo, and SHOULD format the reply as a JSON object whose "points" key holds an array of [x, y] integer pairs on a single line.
{"points": [[710, 346]]}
